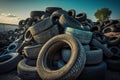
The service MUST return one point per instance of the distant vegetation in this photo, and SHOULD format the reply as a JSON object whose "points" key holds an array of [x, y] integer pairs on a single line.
{"points": [[103, 14]]}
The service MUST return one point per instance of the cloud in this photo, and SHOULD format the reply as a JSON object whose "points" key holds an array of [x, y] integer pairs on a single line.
{"points": [[9, 18], [8, 15]]}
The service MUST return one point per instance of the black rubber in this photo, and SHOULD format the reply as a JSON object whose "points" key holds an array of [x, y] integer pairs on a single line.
{"points": [[66, 53], [109, 29], [44, 36], [41, 26], [27, 70], [9, 62], [50, 10], [83, 36], [72, 13], [71, 69], [81, 17], [113, 64], [68, 21], [94, 56], [34, 14], [108, 23], [96, 72], [114, 40], [32, 52], [106, 51], [115, 50]]}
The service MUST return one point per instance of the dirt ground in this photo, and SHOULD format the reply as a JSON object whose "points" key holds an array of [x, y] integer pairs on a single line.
{"points": [[110, 75]]}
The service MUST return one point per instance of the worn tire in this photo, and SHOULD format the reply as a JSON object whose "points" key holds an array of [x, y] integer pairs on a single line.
{"points": [[94, 56], [50, 10], [96, 72], [32, 52], [9, 62], [66, 21], [109, 29], [41, 26], [36, 13], [81, 17], [43, 37], [69, 71], [115, 50], [108, 23], [12, 47], [28, 36], [114, 40], [83, 36], [106, 51], [72, 12], [113, 64], [86, 47], [27, 70]]}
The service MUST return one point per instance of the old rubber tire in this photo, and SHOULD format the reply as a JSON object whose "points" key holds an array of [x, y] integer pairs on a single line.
{"points": [[68, 21], [83, 36], [28, 36], [81, 17], [72, 12], [32, 52], [27, 69], [36, 13], [96, 72], [94, 56], [113, 64], [86, 47], [109, 29], [12, 47], [9, 62], [44, 36], [50, 10], [108, 23], [106, 51], [115, 50], [72, 68], [114, 40], [41, 26]]}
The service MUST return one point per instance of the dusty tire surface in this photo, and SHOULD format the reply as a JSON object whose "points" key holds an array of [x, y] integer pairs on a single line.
{"points": [[81, 17], [83, 36], [66, 21], [94, 56], [32, 52], [27, 69], [36, 14], [50, 10], [74, 66], [41, 26], [42, 37], [9, 61]]}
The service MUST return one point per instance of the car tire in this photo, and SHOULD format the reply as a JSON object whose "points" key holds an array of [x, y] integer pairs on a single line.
{"points": [[83, 36], [32, 52], [69, 71], [50, 10], [43, 37], [27, 70], [81, 17], [94, 56], [9, 62]]}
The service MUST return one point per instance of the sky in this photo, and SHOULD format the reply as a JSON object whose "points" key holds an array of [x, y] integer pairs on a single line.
{"points": [[11, 11]]}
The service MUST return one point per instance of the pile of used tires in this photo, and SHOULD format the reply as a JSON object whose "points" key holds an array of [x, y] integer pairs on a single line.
{"points": [[60, 45]]}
